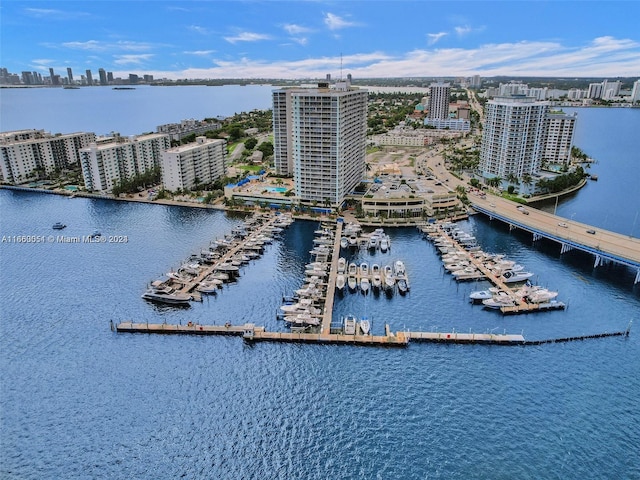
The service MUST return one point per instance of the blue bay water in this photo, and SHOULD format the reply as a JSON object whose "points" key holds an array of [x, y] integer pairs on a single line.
{"points": [[79, 401], [102, 110]]}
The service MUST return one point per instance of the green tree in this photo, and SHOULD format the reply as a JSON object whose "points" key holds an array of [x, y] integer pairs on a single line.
{"points": [[266, 148], [250, 143]]}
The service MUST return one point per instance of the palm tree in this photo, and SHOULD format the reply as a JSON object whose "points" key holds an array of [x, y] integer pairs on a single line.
{"points": [[512, 178]]}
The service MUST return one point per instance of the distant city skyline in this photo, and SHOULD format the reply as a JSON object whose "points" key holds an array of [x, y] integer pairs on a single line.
{"points": [[296, 39]]}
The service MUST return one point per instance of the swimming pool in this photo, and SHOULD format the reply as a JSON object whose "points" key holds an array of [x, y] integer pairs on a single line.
{"points": [[276, 189]]}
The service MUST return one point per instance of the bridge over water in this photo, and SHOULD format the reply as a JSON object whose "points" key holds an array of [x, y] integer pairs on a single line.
{"points": [[604, 245]]}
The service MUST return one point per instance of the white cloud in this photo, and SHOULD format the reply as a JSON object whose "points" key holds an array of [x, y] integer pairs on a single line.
{"points": [[198, 29], [463, 30], [334, 22], [53, 14], [435, 37], [98, 46], [132, 59], [201, 53], [247, 37], [293, 29], [602, 57]]}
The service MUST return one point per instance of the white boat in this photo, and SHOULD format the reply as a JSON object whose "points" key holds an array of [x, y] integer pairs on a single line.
{"points": [[303, 303], [166, 295], [208, 287], [452, 267], [466, 271], [340, 281], [384, 244], [364, 269], [512, 277], [344, 242], [399, 268], [389, 279], [373, 242], [365, 284], [342, 265], [403, 285], [479, 295], [352, 282], [349, 325], [499, 301], [353, 269], [365, 326], [536, 294], [302, 319]]}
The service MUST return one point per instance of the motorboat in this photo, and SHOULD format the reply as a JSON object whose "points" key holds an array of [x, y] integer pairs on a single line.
{"points": [[349, 325], [302, 319], [536, 294], [452, 267], [344, 242], [166, 295], [389, 279], [95, 234], [403, 285], [353, 269], [364, 269], [342, 265], [352, 282], [399, 268], [468, 270], [376, 281], [302, 303], [365, 284], [511, 276], [384, 244], [373, 242], [498, 301], [59, 226], [365, 326], [480, 295], [340, 281], [209, 286]]}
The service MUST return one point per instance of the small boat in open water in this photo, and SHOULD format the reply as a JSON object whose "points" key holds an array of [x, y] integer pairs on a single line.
{"points": [[59, 226]]}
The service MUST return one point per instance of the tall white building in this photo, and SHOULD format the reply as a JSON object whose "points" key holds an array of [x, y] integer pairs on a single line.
{"points": [[319, 138], [188, 165], [513, 137], [25, 153], [439, 101], [110, 160]]}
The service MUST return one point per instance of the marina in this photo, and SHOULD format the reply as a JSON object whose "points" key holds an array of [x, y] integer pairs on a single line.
{"points": [[474, 264]]}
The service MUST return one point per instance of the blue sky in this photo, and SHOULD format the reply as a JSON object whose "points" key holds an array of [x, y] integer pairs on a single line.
{"points": [[307, 39]]}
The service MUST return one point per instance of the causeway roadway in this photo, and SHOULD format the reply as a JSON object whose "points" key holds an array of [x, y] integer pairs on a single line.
{"points": [[604, 244]]}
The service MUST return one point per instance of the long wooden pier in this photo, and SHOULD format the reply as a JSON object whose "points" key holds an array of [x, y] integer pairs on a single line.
{"points": [[327, 314], [251, 332]]}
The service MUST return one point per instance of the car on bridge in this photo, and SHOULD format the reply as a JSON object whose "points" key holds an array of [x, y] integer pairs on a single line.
{"points": [[563, 225], [592, 232]]}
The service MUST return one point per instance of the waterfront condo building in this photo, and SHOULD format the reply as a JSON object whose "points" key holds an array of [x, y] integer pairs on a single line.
{"points": [[27, 154], [110, 160], [559, 137], [188, 165], [513, 137], [319, 138]]}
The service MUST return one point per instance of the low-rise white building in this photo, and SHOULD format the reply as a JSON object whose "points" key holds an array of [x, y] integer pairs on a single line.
{"points": [[186, 166], [111, 160]]}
